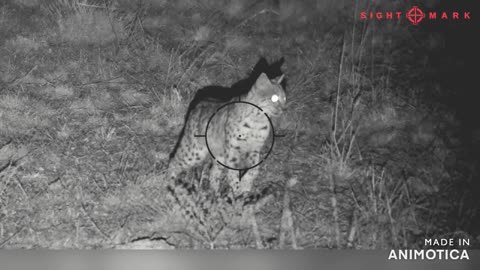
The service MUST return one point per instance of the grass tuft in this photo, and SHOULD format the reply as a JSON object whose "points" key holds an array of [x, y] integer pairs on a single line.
{"points": [[90, 26], [21, 115], [22, 44]]}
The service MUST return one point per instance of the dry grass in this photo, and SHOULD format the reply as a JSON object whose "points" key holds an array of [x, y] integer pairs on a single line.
{"points": [[92, 105], [83, 23], [23, 45], [27, 3], [22, 115]]}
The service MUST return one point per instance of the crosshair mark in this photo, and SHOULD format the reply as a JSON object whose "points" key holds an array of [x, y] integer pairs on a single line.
{"points": [[241, 137], [415, 15], [242, 171]]}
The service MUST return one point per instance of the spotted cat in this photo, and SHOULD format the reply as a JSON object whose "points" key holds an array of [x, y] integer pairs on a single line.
{"points": [[238, 128], [224, 133]]}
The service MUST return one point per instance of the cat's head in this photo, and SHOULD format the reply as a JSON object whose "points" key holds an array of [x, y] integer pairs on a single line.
{"points": [[273, 70], [268, 94]]}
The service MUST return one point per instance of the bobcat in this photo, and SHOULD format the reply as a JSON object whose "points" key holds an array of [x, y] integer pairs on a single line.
{"points": [[237, 131]]}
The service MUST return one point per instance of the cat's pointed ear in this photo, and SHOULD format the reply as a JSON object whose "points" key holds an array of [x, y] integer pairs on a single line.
{"points": [[262, 82], [261, 66], [278, 64], [279, 79]]}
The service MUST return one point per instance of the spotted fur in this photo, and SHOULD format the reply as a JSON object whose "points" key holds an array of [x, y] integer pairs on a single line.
{"points": [[238, 129]]}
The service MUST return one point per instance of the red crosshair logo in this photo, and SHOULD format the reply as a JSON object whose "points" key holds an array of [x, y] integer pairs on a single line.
{"points": [[415, 15]]}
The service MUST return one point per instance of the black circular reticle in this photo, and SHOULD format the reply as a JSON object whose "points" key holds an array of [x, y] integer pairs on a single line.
{"points": [[262, 159]]}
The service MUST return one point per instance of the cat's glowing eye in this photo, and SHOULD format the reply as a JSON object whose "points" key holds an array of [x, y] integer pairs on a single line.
{"points": [[275, 98]]}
